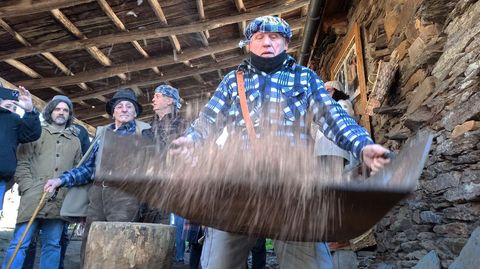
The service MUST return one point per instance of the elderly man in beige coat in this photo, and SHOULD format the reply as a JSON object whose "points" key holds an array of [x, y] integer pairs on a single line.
{"points": [[57, 150]]}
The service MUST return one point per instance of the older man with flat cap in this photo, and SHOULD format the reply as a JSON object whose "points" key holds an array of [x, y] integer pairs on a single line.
{"points": [[105, 203], [279, 93]]}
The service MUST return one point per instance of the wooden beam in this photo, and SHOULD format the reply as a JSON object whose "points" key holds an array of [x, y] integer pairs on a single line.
{"points": [[175, 75], [201, 15], [94, 51], [157, 9], [40, 104], [240, 6], [163, 20], [49, 56], [243, 24], [30, 72], [119, 24], [102, 73], [124, 37], [105, 72], [14, 8]]}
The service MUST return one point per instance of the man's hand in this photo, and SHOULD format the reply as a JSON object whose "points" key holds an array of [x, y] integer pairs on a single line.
{"points": [[183, 146], [24, 99], [373, 157], [52, 184]]}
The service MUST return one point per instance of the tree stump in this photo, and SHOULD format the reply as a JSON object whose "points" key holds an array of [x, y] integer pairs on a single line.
{"points": [[119, 245]]}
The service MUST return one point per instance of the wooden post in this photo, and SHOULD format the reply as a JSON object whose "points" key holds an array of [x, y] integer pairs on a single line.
{"points": [[118, 245]]}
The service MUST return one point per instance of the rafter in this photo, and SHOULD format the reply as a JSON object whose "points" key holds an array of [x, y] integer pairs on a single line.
{"points": [[173, 38], [141, 82], [95, 52], [201, 15], [30, 72], [13, 8], [157, 9], [106, 40], [119, 24], [105, 72], [205, 34], [49, 56], [167, 77], [243, 24]]}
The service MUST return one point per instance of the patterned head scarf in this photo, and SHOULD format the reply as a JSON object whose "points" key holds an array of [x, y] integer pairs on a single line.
{"points": [[171, 92], [266, 24]]}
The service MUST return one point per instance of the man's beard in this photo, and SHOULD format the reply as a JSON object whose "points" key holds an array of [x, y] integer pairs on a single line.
{"points": [[60, 120]]}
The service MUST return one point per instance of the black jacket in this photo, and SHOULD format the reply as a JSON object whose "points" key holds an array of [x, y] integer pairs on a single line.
{"points": [[164, 131], [15, 130]]}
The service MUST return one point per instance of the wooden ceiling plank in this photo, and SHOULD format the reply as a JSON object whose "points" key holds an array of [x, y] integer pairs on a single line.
{"points": [[21, 8], [240, 6], [157, 9], [94, 51], [106, 72], [124, 37], [243, 24], [201, 15], [176, 75], [49, 56], [22, 67], [107, 9], [29, 72]]}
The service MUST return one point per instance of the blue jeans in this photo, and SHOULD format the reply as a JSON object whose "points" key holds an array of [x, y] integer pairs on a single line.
{"points": [[51, 232], [323, 256], [3, 190], [179, 242]]}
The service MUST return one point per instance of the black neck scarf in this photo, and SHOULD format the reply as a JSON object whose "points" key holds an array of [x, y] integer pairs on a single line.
{"points": [[268, 65]]}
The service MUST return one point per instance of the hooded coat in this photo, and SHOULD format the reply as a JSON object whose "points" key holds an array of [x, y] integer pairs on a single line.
{"points": [[56, 151]]}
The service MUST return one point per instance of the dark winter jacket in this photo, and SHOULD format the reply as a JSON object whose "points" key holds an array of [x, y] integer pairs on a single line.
{"points": [[169, 128], [83, 136], [15, 130]]}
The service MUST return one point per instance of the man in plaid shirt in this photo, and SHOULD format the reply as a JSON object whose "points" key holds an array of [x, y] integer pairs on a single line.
{"points": [[279, 94]]}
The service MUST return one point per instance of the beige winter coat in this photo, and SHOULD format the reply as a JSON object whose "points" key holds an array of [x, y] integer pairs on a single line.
{"points": [[55, 152]]}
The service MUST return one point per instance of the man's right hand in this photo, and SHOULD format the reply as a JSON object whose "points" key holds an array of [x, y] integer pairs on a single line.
{"points": [[52, 184], [183, 146], [24, 99]]}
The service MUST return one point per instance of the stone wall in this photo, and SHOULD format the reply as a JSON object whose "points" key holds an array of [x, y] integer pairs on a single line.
{"points": [[436, 88]]}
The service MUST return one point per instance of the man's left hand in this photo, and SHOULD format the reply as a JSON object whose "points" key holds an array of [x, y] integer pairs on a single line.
{"points": [[373, 156]]}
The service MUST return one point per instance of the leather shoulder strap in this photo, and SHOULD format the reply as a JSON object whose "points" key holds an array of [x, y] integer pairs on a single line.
{"points": [[244, 106]]}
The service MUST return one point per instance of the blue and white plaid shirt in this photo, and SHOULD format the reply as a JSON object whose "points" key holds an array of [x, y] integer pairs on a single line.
{"points": [[281, 100], [85, 173]]}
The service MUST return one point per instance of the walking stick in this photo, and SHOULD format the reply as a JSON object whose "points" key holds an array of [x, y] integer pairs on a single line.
{"points": [[40, 205]]}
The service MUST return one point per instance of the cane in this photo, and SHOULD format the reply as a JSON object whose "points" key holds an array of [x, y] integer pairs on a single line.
{"points": [[40, 205]]}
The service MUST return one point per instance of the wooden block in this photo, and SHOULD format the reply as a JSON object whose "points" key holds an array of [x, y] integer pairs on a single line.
{"points": [[467, 126], [122, 245]]}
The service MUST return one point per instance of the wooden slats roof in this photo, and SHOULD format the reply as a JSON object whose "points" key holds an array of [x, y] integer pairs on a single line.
{"points": [[87, 49]]}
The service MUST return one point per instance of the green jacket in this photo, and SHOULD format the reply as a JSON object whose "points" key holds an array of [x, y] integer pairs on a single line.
{"points": [[54, 152]]}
